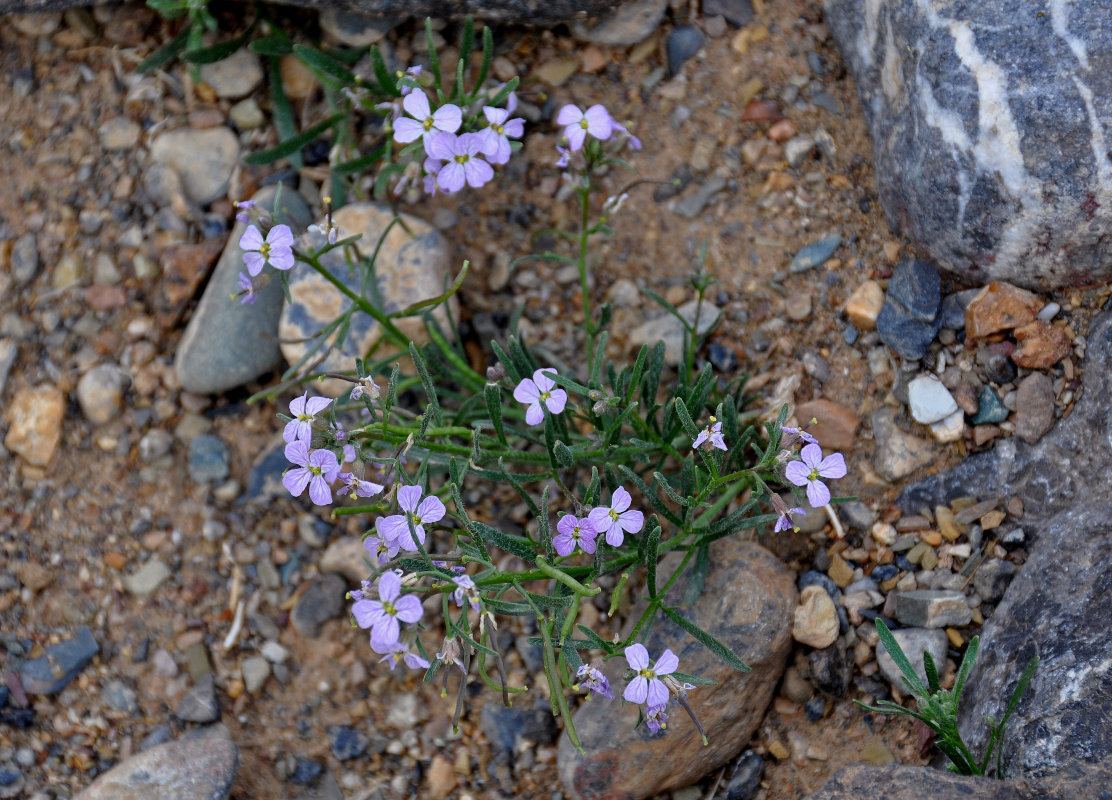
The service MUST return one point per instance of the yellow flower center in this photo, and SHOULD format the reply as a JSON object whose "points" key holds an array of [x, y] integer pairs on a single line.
{"points": [[264, 248], [462, 158], [813, 475], [575, 533], [416, 519], [614, 515], [316, 470], [388, 607], [584, 124], [646, 673], [545, 395], [497, 128], [303, 417], [428, 123]]}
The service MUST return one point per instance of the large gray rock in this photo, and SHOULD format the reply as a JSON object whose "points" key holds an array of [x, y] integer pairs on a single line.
{"points": [[990, 130], [899, 782], [226, 343], [747, 602], [534, 12]]}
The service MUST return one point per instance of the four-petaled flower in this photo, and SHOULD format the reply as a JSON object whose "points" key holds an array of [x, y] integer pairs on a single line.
{"points": [[577, 124], [712, 432], [425, 122], [462, 161], [317, 470], [540, 389], [304, 410], [382, 615], [276, 249], [619, 519], [647, 686], [355, 487], [496, 137], [592, 679], [248, 293], [396, 526], [398, 652], [380, 548], [243, 205], [574, 531], [656, 719], [812, 467]]}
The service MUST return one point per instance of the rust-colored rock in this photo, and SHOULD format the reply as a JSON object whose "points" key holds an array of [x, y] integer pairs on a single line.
{"points": [[184, 268], [836, 428], [105, 298], [761, 111], [1000, 307], [863, 306], [1041, 345], [35, 416], [747, 602]]}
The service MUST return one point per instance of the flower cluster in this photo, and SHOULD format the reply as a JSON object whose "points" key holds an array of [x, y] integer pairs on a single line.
{"points": [[595, 122], [384, 617], [807, 473], [650, 684]]}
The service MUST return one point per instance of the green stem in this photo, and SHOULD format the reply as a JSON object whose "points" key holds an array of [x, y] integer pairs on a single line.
{"points": [[585, 219], [568, 581], [398, 338]]}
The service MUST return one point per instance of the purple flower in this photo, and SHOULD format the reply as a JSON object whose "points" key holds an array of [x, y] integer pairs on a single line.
{"points": [[327, 229], [798, 434], [247, 293], [713, 432], [784, 522], [382, 615], [317, 470], [496, 137], [398, 653], [382, 550], [539, 389], [574, 532], [466, 590], [592, 679], [396, 527], [812, 467], [618, 520], [462, 162], [647, 686], [577, 124], [634, 142], [425, 122], [412, 72], [655, 718], [304, 410], [565, 154], [276, 249], [243, 205], [353, 487]]}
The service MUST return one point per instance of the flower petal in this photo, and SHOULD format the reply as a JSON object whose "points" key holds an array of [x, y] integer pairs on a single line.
{"points": [[534, 414], [416, 104], [297, 452], [319, 491], [556, 401], [637, 656], [431, 509], [452, 177], [569, 115], [797, 473], [811, 455], [637, 690], [631, 521], [587, 541], [252, 239], [657, 693], [366, 612], [566, 523], [563, 542], [409, 608], [599, 517], [448, 118], [391, 528], [280, 236], [409, 497], [615, 536], [296, 480], [526, 392], [495, 115], [817, 494], [575, 135], [833, 466], [297, 405], [389, 586], [440, 145], [543, 379], [254, 263], [599, 122], [385, 633], [621, 500], [315, 405], [477, 172], [407, 130], [666, 664]]}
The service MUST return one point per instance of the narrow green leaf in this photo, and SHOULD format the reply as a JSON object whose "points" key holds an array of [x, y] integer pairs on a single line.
{"points": [[426, 382], [652, 379], [662, 482], [488, 53], [434, 59], [293, 145], [652, 545], [504, 92], [493, 396], [385, 80], [966, 666], [168, 52], [282, 111], [591, 495], [278, 45], [506, 362], [218, 51], [544, 528], [707, 640], [684, 417], [359, 164], [522, 548], [931, 672], [564, 456], [596, 641], [328, 69], [653, 498], [911, 678]]}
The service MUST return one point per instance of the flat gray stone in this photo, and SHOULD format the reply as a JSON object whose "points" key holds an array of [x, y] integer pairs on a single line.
{"points": [[899, 782], [148, 578], [62, 662], [914, 642], [203, 158], [227, 343], [932, 608], [628, 24], [200, 703]]}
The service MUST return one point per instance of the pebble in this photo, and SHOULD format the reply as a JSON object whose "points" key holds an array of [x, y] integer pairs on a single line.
{"points": [[927, 608], [199, 766], [255, 672], [1034, 414], [669, 330], [1049, 312], [815, 622], [235, 76], [60, 664], [120, 696], [246, 115], [11, 781], [929, 400], [950, 429], [441, 777], [346, 556], [629, 24], [148, 578], [992, 578], [724, 359], [738, 13], [1041, 345], [952, 314], [814, 254], [990, 409], [797, 149], [799, 309], [35, 418], [556, 72], [305, 772], [200, 703], [9, 351], [908, 321], [836, 426], [813, 363], [998, 366], [100, 392], [347, 743], [155, 444], [105, 272], [164, 663], [857, 515], [24, 259], [208, 459], [66, 272], [898, 454], [914, 642], [204, 159], [353, 29], [1000, 307], [37, 25], [682, 42], [691, 206], [118, 133], [322, 601], [32, 575], [274, 652], [864, 305]]}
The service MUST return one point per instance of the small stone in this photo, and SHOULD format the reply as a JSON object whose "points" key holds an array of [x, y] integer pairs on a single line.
{"points": [[353, 29], [914, 642], [992, 578], [795, 687], [1041, 345], [120, 697], [670, 330], [950, 429], [831, 670], [857, 515], [60, 664], [204, 159], [839, 571], [32, 575], [37, 25], [403, 714], [35, 417], [864, 305], [66, 272], [184, 269], [346, 742], [1034, 414], [682, 42], [322, 601], [836, 426], [738, 13], [118, 133], [274, 652], [797, 149], [908, 321], [1000, 307], [147, 580], [799, 308], [155, 444], [693, 204], [816, 621], [208, 459], [199, 766], [246, 115], [9, 351], [929, 400], [100, 392], [952, 314], [346, 556], [814, 254], [990, 409], [930, 608], [556, 72], [297, 79], [306, 772], [235, 76], [898, 454], [197, 661], [255, 672], [200, 703], [24, 259]]}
